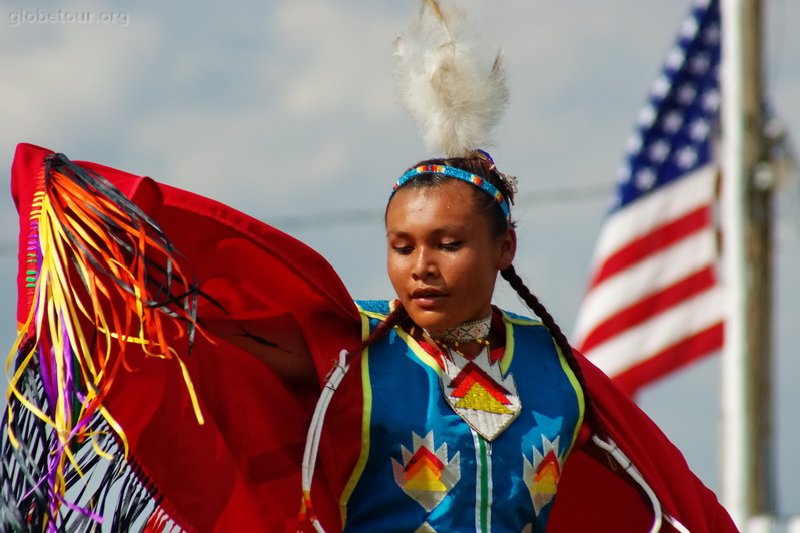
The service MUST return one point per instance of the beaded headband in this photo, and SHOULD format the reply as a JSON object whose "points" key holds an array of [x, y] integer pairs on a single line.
{"points": [[453, 172]]}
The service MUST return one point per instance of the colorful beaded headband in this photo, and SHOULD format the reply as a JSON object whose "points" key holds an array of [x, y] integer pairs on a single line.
{"points": [[457, 173]]}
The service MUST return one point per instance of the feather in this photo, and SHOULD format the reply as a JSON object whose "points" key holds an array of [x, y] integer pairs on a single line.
{"points": [[454, 92]]}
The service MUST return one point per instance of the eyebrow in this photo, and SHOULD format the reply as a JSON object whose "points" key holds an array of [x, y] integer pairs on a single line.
{"points": [[438, 231]]}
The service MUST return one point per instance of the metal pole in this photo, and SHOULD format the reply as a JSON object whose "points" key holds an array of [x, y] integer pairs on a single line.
{"points": [[746, 374]]}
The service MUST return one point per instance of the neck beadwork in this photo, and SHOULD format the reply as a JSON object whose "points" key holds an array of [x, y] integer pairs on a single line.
{"points": [[475, 330]]}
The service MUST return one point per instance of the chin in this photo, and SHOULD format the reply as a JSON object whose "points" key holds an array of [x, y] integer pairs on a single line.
{"points": [[426, 319], [431, 320]]}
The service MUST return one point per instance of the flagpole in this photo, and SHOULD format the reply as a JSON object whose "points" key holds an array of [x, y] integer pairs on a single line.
{"points": [[746, 367]]}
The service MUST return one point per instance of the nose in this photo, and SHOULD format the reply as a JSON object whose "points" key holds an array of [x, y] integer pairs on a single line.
{"points": [[424, 266]]}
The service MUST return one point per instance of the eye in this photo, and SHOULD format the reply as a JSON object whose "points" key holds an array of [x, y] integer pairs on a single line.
{"points": [[402, 250], [451, 246]]}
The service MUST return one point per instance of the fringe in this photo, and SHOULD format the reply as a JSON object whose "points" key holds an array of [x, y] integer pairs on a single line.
{"points": [[101, 276]]}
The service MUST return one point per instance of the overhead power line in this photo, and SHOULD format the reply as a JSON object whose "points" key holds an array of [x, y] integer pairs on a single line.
{"points": [[554, 196], [347, 217]]}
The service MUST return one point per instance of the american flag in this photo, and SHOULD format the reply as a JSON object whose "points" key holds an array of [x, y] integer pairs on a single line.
{"points": [[654, 301]]}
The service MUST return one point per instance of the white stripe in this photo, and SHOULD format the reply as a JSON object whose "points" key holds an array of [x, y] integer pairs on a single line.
{"points": [[477, 445], [658, 271], [476, 439], [668, 203], [489, 487], [642, 342]]}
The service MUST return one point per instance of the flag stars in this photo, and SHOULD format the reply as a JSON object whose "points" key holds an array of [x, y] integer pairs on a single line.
{"points": [[689, 28], [634, 144], [675, 58], [686, 157], [675, 125], [660, 87], [659, 151], [645, 179], [646, 117], [699, 64], [699, 130], [711, 101], [686, 93], [672, 121], [711, 34]]}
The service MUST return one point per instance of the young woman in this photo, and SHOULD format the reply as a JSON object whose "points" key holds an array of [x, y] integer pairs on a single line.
{"points": [[470, 415], [469, 412]]}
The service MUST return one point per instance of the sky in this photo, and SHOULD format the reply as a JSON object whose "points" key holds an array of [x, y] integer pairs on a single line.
{"points": [[288, 112]]}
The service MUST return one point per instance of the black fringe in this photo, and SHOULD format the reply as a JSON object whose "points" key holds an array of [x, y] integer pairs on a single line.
{"points": [[113, 489]]}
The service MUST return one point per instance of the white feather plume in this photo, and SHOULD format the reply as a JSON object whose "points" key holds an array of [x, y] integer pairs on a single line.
{"points": [[454, 91]]}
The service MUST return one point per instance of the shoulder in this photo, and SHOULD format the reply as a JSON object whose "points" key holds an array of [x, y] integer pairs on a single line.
{"points": [[374, 309], [531, 332], [519, 320]]}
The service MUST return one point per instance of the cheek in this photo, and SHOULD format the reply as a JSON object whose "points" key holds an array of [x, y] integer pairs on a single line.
{"points": [[461, 269], [395, 269], [475, 274]]}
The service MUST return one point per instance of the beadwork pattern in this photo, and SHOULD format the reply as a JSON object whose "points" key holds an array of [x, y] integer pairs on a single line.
{"points": [[453, 172]]}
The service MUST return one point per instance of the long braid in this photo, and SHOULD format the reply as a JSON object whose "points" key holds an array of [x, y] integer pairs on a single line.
{"points": [[391, 320], [511, 276]]}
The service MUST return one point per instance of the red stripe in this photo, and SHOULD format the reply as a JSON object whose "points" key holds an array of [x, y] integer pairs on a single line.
{"points": [[659, 238], [676, 356], [648, 307]]}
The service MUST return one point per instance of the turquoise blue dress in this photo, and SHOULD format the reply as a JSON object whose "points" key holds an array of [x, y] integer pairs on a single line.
{"points": [[426, 464]]}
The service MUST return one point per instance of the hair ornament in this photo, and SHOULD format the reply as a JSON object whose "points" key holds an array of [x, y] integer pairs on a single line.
{"points": [[510, 181], [453, 91]]}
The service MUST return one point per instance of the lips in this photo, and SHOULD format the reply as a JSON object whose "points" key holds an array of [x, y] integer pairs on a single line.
{"points": [[427, 298]]}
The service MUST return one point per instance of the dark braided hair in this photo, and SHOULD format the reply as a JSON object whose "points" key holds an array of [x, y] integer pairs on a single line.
{"points": [[391, 320], [511, 276]]}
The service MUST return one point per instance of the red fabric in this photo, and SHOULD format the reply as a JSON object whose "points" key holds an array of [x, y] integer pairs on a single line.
{"points": [[241, 470], [592, 497], [242, 467]]}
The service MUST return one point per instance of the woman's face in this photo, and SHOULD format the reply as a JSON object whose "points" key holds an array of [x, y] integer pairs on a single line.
{"points": [[441, 254]]}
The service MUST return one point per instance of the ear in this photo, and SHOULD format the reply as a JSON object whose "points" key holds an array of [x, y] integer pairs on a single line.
{"points": [[507, 249]]}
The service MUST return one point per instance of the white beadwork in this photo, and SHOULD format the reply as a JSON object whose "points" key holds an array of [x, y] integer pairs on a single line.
{"points": [[466, 332]]}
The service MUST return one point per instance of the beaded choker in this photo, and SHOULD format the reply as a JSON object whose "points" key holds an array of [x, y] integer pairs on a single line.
{"points": [[468, 331]]}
